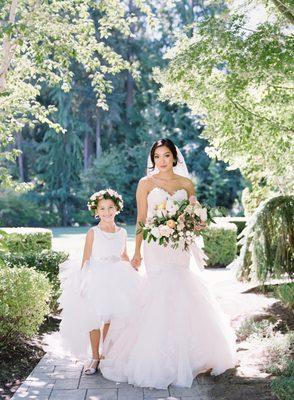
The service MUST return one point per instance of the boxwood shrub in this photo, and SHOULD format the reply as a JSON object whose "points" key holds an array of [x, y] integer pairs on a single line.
{"points": [[220, 244], [25, 295], [20, 240]]}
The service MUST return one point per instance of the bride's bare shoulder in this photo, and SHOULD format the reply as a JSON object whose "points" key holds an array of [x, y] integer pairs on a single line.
{"points": [[145, 183]]}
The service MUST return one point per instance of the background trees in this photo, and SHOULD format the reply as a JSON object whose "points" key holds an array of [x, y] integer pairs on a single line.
{"points": [[68, 147], [239, 82]]}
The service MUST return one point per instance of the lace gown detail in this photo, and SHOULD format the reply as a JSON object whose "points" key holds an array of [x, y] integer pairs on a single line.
{"points": [[178, 328]]}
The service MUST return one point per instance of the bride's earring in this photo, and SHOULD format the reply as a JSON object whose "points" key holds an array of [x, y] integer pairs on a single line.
{"points": [[96, 216]]}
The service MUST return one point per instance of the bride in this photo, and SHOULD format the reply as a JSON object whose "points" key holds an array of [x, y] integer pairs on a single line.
{"points": [[178, 329]]}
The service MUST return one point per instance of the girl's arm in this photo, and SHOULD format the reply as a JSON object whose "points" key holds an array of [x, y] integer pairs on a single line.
{"points": [[88, 246], [124, 255], [141, 197]]}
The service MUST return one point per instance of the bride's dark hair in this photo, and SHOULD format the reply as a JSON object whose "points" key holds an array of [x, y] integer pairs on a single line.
{"points": [[164, 142]]}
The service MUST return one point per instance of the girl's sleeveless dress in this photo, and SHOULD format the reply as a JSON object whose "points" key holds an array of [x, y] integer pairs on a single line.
{"points": [[106, 287]]}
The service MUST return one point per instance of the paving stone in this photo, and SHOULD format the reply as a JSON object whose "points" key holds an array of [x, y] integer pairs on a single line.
{"points": [[130, 392], [155, 393], [96, 381], [51, 360], [31, 395], [101, 394], [69, 367], [66, 383], [34, 390], [44, 368], [55, 375], [76, 394]]}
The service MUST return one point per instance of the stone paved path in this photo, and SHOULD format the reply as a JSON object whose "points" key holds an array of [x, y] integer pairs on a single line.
{"points": [[60, 378]]}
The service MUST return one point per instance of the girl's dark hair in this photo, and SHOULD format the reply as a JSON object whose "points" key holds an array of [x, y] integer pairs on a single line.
{"points": [[163, 142]]}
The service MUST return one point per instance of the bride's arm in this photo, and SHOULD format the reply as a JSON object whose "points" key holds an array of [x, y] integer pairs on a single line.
{"points": [[141, 196]]}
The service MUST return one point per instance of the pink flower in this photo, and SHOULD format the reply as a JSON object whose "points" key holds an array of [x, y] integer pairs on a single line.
{"points": [[192, 200], [181, 218]]}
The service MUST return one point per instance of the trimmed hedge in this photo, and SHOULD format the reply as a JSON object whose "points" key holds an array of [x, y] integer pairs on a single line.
{"points": [[25, 295], [20, 240], [46, 261], [220, 244], [240, 222]]}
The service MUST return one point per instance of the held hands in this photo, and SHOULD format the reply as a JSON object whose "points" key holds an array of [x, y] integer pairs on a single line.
{"points": [[136, 261]]}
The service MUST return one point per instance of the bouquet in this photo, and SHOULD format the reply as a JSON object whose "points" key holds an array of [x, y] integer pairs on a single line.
{"points": [[176, 223]]}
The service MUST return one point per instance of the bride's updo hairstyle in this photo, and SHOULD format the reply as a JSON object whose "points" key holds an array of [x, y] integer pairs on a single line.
{"points": [[167, 143]]}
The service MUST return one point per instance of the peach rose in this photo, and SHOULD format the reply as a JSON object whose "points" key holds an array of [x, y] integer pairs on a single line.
{"points": [[171, 223]]}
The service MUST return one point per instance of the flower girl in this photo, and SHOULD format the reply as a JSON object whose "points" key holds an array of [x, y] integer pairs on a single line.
{"points": [[103, 288]]}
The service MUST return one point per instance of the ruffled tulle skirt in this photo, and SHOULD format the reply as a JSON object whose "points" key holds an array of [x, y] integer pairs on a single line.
{"points": [[92, 296], [177, 331]]}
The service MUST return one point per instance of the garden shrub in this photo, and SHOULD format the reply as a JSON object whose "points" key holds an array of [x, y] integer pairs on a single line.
{"points": [[285, 293], [46, 261], [220, 243], [268, 241], [20, 209], [20, 240], [24, 295], [283, 387]]}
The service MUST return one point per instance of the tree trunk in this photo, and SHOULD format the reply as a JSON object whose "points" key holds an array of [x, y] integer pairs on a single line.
{"points": [[285, 10], [98, 134], [20, 157], [130, 80], [130, 95], [86, 151], [7, 48]]}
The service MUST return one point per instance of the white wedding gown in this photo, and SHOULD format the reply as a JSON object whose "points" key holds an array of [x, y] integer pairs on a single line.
{"points": [[177, 330]]}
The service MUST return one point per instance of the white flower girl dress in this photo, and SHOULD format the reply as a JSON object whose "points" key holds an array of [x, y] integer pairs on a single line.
{"points": [[106, 287]]}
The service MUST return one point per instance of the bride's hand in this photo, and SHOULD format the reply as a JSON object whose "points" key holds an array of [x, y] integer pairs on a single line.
{"points": [[136, 261], [199, 227]]}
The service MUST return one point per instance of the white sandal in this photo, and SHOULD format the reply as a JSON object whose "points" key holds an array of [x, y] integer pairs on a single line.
{"points": [[90, 370]]}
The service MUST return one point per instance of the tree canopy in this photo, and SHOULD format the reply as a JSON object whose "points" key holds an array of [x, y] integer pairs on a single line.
{"points": [[239, 82]]}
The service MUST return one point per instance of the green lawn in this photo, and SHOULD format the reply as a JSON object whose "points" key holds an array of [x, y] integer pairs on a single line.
{"points": [[72, 239]]}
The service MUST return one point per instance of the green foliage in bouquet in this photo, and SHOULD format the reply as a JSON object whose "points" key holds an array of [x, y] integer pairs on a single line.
{"points": [[21, 240], [25, 295], [220, 244]]}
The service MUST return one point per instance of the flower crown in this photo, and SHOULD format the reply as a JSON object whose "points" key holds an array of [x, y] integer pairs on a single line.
{"points": [[107, 194]]}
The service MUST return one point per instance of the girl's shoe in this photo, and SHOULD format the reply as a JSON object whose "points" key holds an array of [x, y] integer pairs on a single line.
{"points": [[93, 367]]}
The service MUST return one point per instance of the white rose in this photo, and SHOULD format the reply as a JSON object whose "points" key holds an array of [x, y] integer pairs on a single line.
{"points": [[189, 209], [203, 214], [197, 211], [180, 226], [171, 206], [165, 230], [155, 232]]}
